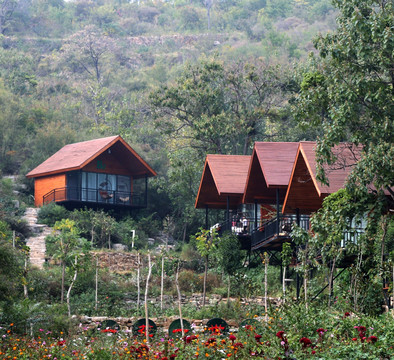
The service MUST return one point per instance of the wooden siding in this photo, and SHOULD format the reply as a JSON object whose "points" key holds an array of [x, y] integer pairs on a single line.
{"points": [[107, 164], [45, 184], [223, 176], [301, 193]]}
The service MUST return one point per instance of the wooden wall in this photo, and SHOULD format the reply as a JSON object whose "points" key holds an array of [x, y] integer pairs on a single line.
{"points": [[43, 185]]}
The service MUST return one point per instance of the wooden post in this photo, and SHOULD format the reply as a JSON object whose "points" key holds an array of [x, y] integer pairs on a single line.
{"points": [[266, 261], [138, 282], [96, 290], [277, 212], [162, 283], [146, 300], [255, 215], [179, 300], [206, 218]]}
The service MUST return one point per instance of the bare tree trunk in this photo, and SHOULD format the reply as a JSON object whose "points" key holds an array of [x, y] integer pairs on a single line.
{"points": [[63, 276], [146, 300], [228, 291], [138, 282], [266, 262], [306, 276], [179, 300], [71, 285], [205, 281], [96, 290], [284, 284], [25, 292], [162, 283], [330, 281]]}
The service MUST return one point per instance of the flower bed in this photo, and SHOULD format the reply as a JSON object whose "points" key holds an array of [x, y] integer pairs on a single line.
{"points": [[278, 336]]}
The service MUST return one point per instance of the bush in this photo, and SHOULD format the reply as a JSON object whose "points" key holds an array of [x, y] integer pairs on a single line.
{"points": [[190, 281], [49, 214]]}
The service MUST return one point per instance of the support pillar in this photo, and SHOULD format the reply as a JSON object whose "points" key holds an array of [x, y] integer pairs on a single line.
{"points": [[228, 213], [206, 218], [255, 214], [277, 212]]}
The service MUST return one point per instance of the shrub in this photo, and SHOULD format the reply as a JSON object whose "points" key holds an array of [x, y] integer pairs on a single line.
{"points": [[190, 281], [49, 214]]}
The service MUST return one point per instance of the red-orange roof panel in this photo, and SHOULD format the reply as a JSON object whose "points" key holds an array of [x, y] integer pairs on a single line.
{"points": [[229, 172], [223, 175], [75, 156], [276, 161]]}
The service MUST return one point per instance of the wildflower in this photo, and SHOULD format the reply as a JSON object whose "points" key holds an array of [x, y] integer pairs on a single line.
{"points": [[305, 342], [258, 337], [313, 352], [280, 335], [347, 314], [232, 337]]}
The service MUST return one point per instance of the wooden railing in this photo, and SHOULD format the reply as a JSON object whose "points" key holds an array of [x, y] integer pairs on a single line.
{"points": [[278, 228], [99, 196]]}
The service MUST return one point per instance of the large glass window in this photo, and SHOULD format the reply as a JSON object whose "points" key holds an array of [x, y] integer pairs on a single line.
{"points": [[109, 188]]}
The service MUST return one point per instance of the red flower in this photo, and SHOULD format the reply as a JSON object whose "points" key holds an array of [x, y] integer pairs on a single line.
{"points": [[164, 358], [372, 339], [354, 339], [172, 356], [321, 331], [313, 352], [180, 330], [61, 343], [280, 335], [305, 342], [347, 314], [232, 337], [239, 345], [113, 331], [258, 337]]}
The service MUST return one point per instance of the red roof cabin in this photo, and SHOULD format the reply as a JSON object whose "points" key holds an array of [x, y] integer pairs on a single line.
{"points": [[305, 193], [103, 172], [268, 178]]}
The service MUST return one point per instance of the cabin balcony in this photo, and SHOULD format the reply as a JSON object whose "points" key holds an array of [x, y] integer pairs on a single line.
{"points": [[78, 196], [276, 231]]}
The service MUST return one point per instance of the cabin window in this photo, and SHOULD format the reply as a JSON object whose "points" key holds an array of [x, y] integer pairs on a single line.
{"points": [[99, 187]]}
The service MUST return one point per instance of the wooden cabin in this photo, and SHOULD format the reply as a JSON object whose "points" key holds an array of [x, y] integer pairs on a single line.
{"points": [[222, 186], [266, 185], [104, 172]]}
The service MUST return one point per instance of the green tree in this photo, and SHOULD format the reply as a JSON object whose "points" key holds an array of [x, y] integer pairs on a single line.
{"points": [[348, 92], [206, 242], [220, 108], [67, 246]]}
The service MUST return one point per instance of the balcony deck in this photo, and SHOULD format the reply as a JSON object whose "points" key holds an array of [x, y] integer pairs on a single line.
{"points": [[77, 197], [273, 233]]}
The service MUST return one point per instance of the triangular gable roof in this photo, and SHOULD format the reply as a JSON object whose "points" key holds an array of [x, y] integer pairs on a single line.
{"points": [[223, 175], [300, 193], [270, 168], [76, 156]]}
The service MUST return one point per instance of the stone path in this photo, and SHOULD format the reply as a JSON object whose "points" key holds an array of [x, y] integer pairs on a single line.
{"points": [[36, 242]]}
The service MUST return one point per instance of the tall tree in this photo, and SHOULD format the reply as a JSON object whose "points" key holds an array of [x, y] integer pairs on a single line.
{"points": [[349, 90], [220, 108]]}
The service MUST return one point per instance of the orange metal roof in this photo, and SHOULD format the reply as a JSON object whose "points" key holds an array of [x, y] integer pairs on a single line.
{"points": [[270, 168], [76, 156], [304, 171], [223, 175]]}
